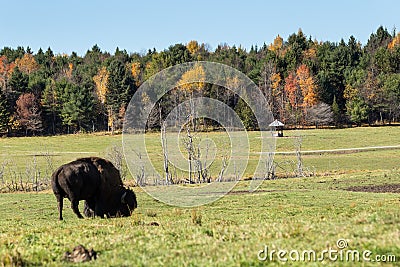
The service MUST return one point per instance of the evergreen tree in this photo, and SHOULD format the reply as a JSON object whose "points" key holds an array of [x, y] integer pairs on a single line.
{"points": [[51, 101], [337, 117], [120, 89], [77, 107], [13, 54], [4, 113], [18, 82], [17, 85], [179, 54], [357, 110], [39, 57]]}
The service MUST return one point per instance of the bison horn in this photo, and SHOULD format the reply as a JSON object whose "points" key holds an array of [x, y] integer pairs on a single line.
{"points": [[123, 198]]}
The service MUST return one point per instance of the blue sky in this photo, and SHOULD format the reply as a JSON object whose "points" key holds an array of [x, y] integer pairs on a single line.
{"points": [[76, 25]]}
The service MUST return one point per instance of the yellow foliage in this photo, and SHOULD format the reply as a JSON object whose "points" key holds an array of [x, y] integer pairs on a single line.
{"points": [[277, 44], [193, 80], [110, 118], [193, 47], [275, 80], [136, 72], [27, 64], [232, 83], [275, 83], [310, 53], [101, 84], [350, 92], [145, 98]]}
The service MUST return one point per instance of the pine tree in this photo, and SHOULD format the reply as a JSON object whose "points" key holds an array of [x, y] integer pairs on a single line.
{"points": [[18, 81], [336, 112], [77, 107], [4, 113], [121, 88]]}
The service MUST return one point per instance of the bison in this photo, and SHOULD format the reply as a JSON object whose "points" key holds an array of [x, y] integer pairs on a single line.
{"points": [[96, 181]]}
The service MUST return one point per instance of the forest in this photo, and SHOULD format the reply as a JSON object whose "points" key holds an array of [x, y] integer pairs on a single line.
{"points": [[306, 82]]}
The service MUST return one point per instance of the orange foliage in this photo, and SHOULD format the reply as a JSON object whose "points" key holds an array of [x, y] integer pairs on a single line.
{"points": [[307, 85], [394, 42], [290, 88], [70, 69], [6, 69]]}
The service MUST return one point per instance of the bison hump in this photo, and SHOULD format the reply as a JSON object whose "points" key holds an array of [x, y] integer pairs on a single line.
{"points": [[110, 177]]}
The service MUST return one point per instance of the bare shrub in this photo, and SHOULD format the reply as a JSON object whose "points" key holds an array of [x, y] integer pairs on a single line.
{"points": [[116, 155]]}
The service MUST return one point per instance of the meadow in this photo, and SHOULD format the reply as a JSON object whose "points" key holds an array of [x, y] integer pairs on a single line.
{"points": [[293, 214], [24, 157]]}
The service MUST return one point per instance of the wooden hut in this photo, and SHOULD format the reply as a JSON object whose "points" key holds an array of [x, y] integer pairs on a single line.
{"points": [[278, 126]]}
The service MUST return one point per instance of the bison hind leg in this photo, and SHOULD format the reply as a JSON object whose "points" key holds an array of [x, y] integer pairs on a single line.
{"points": [[60, 202], [74, 206]]}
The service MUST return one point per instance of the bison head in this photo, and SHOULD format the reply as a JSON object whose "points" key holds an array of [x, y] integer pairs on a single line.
{"points": [[121, 204], [128, 202]]}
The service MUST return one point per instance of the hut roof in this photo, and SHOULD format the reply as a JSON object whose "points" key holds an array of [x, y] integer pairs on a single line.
{"points": [[276, 123]]}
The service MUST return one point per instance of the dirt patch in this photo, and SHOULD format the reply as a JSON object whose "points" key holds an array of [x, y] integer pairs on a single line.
{"points": [[384, 188], [243, 192]]}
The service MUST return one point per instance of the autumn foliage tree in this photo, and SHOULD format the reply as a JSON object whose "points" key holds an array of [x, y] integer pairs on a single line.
{"points": [[6, 69], [193, 80], [277, 45], [395, 42], [307, 86], [100, 80], [137, 73], [300, 76], [193, 47], [27, 64], [292, 91], [28, 113]]}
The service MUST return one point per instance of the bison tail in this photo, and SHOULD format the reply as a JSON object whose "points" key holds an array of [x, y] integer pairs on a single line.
{"points": [[54, 181]]}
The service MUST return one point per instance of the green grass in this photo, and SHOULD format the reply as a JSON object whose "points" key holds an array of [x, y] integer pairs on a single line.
{"points": [[62, 148], [288, 214], [21, 154]]}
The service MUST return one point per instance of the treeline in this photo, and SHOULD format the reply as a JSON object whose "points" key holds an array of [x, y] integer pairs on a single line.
{"points": [[305, 81]]}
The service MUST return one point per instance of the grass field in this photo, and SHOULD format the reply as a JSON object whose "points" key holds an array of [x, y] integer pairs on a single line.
{"points": [[295, 214], [20, 155]]}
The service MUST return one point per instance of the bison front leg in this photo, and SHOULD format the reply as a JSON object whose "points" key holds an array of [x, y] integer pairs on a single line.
{"points": [[74, 206], [99, 211], [89, 209]]}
